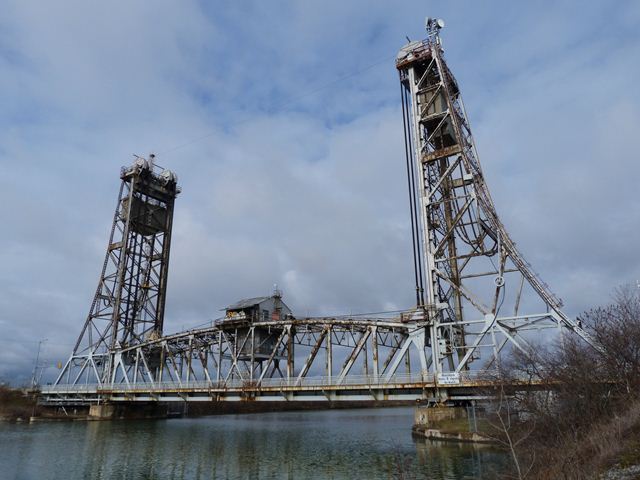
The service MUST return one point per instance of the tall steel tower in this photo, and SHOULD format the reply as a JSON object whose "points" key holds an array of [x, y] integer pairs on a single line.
{"points": [[128, 306], [476, 291]]}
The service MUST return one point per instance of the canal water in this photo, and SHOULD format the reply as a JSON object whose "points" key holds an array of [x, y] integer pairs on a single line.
{"points": [[330, 444]]}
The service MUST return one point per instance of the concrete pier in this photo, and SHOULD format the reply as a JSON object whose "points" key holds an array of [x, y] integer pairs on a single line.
{"points": [[103, 411], [453, 424], [110, 411]]}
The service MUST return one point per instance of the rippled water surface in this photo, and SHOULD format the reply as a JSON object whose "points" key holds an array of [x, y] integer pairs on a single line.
{"points": [[331, 444]]}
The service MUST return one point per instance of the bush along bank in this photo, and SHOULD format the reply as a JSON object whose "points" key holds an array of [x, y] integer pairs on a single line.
{"points": [[585, 423], [15, 404]]}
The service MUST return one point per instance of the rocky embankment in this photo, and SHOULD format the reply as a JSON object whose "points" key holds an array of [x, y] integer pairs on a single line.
{"points": [[622, 473]]}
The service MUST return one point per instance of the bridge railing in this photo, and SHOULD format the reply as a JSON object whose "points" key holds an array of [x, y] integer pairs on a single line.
{"points": [[70, 388], [314, 382]]}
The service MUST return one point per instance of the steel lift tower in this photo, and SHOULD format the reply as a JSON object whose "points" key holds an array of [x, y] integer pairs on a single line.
{"points": [[128, 306], [475, 289]]}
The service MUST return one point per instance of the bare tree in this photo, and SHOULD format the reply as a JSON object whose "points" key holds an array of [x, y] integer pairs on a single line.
{"points": [[506, 428], [569, 425]]}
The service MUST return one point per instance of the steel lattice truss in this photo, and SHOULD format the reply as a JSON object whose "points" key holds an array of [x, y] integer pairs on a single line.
{"points": [[250, 352], [475, 294], [296, 359], [128, 306], [478, 291]]}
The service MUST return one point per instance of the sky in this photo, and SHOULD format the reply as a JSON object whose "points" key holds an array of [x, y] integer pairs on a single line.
{"points": [[282, 120]]}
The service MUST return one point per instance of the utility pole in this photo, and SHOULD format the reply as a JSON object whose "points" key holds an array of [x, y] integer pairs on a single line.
{"points": [[34, 379]]}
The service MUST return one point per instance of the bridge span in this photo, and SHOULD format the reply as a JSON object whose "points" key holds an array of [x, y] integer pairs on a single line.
{"points": [[243, 357]]}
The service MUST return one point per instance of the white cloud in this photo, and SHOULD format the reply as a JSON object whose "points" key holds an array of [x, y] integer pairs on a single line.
{"points": [[312, 195]]}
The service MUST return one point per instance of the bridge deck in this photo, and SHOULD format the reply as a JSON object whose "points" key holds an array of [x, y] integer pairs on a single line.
{"points": [[350, 388]]}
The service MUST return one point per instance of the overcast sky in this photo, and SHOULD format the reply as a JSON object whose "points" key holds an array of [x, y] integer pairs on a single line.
{"points": [[282, 120]]}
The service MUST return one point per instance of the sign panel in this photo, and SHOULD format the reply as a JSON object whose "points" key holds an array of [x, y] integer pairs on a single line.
{"points": [[449, 378]]}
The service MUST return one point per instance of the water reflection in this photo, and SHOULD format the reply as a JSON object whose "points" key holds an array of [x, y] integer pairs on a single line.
{"points": [[337, 444], [460, 460]]}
